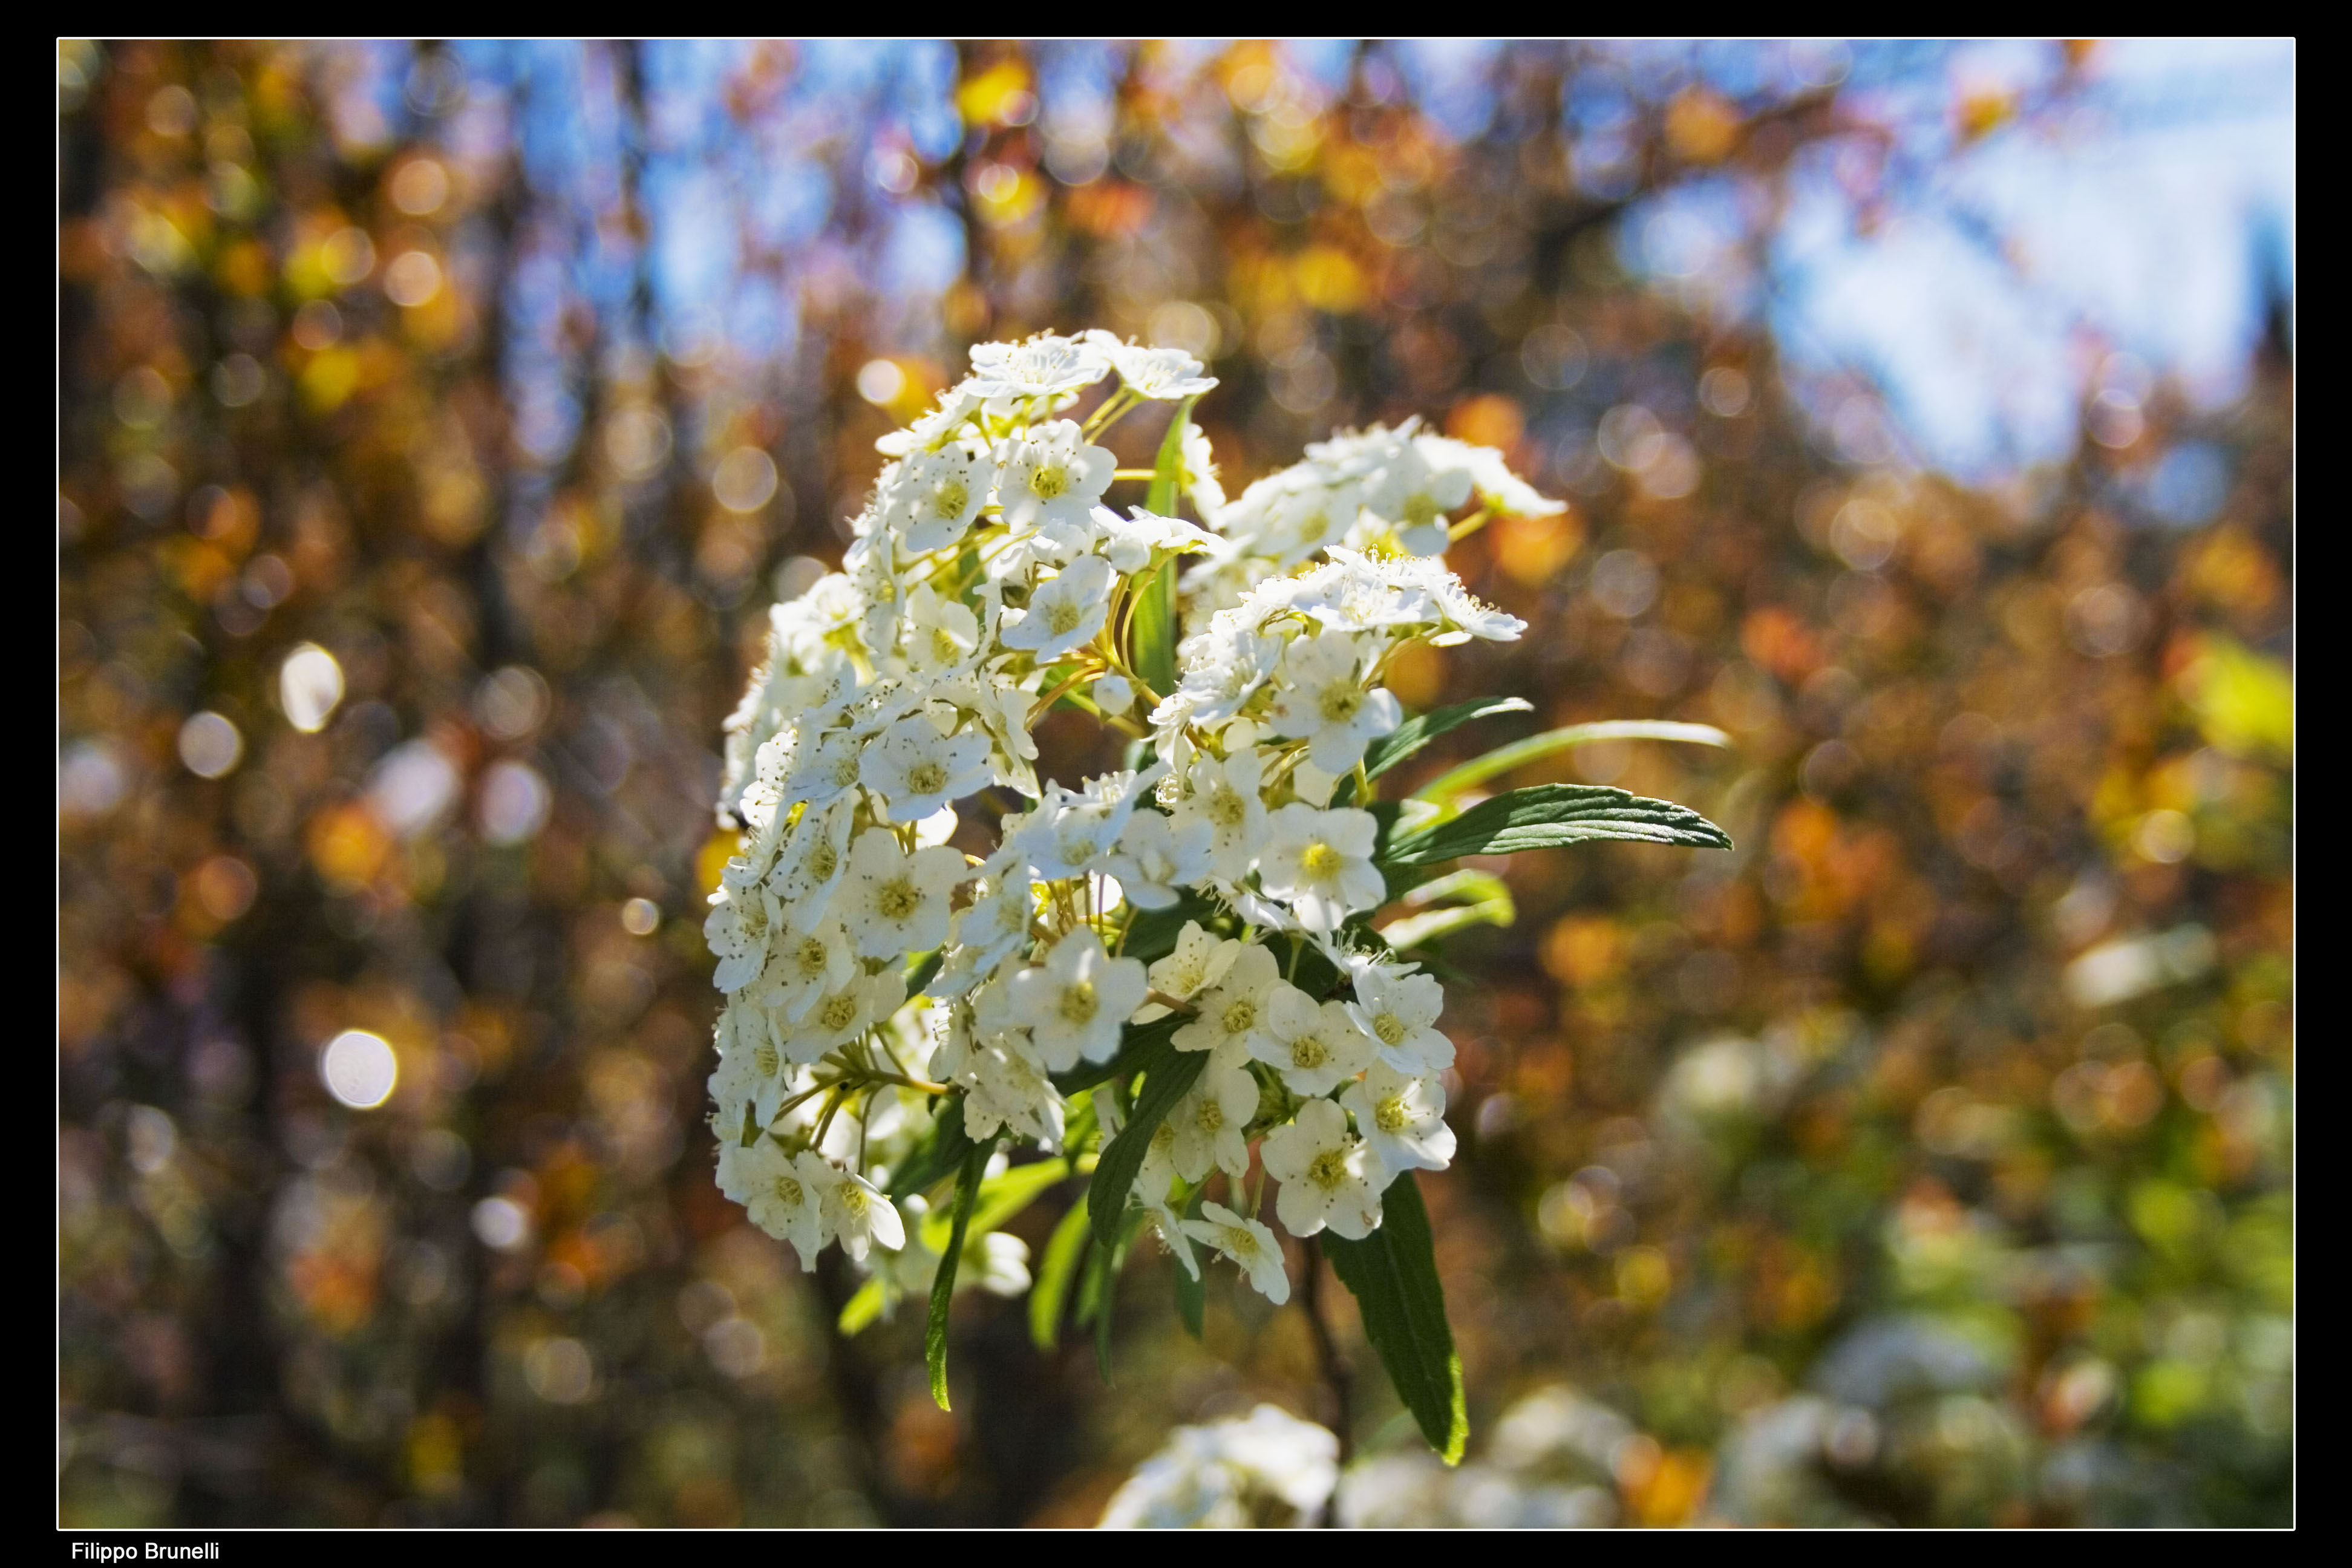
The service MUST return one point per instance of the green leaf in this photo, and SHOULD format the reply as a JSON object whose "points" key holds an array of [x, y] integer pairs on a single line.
{"points": [[1099, 1294], [1139, 1048], [1519, 753], [1154, 625], [1170, 1076], [935, 1332], [1001, 1197], [1064, 1249], [919, 973], [938, 1155], [1416, 733], [1191, 1285], [1484, 899], [1544, 816], [1393, 1275], [858, 1313]]}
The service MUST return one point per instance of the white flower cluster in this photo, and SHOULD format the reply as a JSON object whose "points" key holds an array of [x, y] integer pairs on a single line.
{"points": [[1268, 1467], [1376, 490], [987, 581]]}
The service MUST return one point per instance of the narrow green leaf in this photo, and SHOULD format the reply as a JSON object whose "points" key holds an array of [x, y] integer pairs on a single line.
{"points": [[1544, 816], [938, 1155], [935, 1332], [1191, 1285], [1393, 1275], [1064, 1249], [919, 973], [1418, 731], [1138, 1048], [1154, 622], [1107, 1196], [1099, 1295], [1519, 753], [1001, 1197]]}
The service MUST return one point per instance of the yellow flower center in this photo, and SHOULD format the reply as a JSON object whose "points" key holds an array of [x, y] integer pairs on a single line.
{"points": [[1212, 1117], [1078, 1004], [1328, 1170], [1389, 1115], [1050, 480], [789, 1191], [1240, 1015], [1320, 860], [840, 1011], [823, 861], [1420, 510], [853, 1200], [844, 768], [950, 499], [1308, 1052], [896, 900], [763, 1057], [1226, 807], [1389, 1027], [1340, 701], [945, 650], [1063, 615], [1240, 1243], [814, 958], [927, 777]]}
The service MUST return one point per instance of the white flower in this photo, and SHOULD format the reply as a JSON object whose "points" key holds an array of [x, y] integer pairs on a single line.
{"points": [[894, 903], [1201, 475], [1072, 833], [934, 496], [1248, 1243], [1328, 704], [1114, 694], [804, 966], [783, 1193], [1222, 672], [1320, 863], [1397, 1010], [956, 404], [754, 1071], [1232, 1474], [939, 635], [1063, 613], [1233, 1016], [1006, 1089], [1402, 1118], [1043, 366], [917, 770], [990, 930], [1074, 1003], [1224, 795], [1313, 1048], [1325, 1172], [1130, 543], [1168, 374], [1170, 1226], [825, 771], [1312, 517], [1415, 496], [1199, 960], [859, 1214], [1209, 1122], [1157, 858], [738, 928], [1053, 474], [845, 1013], [811, 864], [1496, 486]]}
